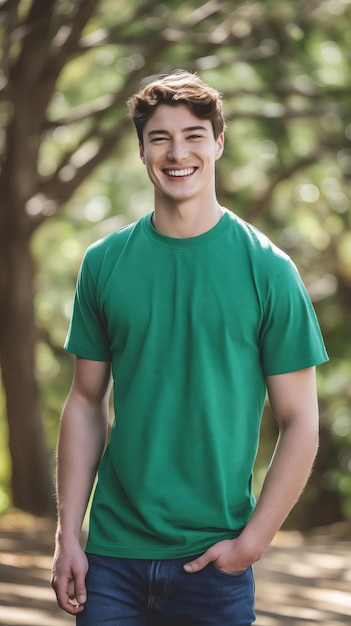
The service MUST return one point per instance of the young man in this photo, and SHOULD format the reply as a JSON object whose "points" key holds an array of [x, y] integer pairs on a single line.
{"points": [[197, 314]]}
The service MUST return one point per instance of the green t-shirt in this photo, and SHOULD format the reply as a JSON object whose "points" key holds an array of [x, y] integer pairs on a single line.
{"points": [[191, 327]]}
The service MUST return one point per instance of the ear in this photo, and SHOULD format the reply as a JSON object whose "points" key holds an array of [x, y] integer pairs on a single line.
{"points": [[141, 152], [220, 146]]}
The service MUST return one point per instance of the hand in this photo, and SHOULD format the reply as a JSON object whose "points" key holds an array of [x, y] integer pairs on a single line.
{"points": [[69, 569], [228, 555]]}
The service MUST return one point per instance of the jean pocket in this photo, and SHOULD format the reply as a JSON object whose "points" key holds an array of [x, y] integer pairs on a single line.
{"points": [[225, 573]]}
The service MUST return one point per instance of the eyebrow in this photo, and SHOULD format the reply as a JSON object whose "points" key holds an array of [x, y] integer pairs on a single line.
{"points": [[184, 130]]}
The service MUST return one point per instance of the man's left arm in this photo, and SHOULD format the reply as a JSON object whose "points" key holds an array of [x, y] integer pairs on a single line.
{"points": [[293, 399]]}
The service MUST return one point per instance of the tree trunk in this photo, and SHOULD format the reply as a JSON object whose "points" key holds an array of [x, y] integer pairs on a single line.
{"points": [[31, 482]]}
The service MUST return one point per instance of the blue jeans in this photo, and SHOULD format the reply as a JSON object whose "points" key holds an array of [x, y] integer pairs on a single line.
{"points": [[140, 592]]}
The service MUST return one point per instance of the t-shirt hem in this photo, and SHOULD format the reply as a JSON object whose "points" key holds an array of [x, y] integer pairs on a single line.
{"points": [[169, 552], [82, 352], [297, 367]]}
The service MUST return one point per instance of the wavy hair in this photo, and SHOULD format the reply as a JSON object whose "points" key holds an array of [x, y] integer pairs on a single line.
{"points": [[179, 87]]}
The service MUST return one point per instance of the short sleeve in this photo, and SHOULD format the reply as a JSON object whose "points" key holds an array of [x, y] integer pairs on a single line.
{"points": [[87, 335], [290, 337]]}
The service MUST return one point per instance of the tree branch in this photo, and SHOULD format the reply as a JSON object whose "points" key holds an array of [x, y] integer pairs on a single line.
{"points": [[285, 91], [118, 33], [63, 46], [262, 204], [278, 111], [93, 110], [11, 22], [36, 35]]}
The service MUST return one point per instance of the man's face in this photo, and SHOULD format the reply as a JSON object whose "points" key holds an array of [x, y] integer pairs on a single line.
{"points": [[179, 151]]}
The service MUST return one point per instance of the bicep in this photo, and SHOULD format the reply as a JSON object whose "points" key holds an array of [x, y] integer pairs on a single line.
{"points": [[91, 379], [293, 397]]}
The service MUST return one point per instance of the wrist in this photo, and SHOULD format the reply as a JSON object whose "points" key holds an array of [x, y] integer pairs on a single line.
{"points": [[252, 546], [67, 533]]}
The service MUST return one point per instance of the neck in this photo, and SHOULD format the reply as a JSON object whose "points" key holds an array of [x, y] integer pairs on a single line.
{"points": [[184, 221]]}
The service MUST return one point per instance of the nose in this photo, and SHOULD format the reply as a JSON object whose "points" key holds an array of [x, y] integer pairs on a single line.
{"points": [[178, 151]]}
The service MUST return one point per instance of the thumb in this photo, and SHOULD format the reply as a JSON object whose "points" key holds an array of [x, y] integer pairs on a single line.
{"points": [[199, 563], [80, 592]]}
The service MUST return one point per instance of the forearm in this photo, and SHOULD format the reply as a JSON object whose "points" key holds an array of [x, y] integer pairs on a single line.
{"points": [[285, 480], [81, 443], [293, 400], [287, 475]]}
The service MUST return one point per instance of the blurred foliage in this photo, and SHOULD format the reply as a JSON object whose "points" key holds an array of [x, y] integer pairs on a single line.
{"points": [[284, 70]]}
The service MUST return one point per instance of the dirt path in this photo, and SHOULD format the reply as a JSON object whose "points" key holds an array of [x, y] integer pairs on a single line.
{"points": [[300, 581]]}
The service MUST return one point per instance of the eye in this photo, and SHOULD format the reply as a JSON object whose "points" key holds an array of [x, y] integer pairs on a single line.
{"points": [[194, 137], [158, 139]]}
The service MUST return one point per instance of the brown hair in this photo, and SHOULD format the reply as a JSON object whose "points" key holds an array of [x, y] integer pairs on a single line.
{"points": [[179, 87]]}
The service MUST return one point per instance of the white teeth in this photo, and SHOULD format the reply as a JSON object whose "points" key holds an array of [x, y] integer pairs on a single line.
{"points": [[180, 172]]}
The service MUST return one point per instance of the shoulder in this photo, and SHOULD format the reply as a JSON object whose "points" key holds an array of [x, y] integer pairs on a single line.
{"points": [[106, 251], [112, 243], [261, 254], [254, 240], [266, 267]]}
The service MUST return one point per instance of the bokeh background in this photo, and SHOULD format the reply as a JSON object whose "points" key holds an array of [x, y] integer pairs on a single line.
{"points": [[70, 173]]}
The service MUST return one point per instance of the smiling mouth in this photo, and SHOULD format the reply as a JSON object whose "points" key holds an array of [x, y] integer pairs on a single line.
{"points": [[180, 173]]}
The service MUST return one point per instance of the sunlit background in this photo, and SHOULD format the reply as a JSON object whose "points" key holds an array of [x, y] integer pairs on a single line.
{"points": [[284, 71]]}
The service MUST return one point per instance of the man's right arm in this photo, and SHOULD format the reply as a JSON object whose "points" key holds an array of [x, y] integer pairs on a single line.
{"points": [[81, 443]]}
